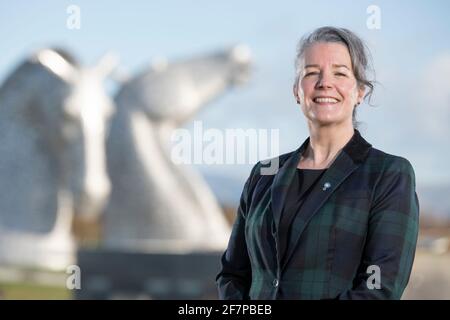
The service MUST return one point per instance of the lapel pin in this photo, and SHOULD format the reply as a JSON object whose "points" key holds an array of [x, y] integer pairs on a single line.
{"points": [[326, 185]]}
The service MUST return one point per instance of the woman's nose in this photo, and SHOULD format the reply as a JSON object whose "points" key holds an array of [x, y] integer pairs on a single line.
{"points": [[324, 81]]}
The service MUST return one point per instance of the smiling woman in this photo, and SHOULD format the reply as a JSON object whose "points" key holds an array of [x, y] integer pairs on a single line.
{"points": [[328, 90], [340, 57], [339, 219]]}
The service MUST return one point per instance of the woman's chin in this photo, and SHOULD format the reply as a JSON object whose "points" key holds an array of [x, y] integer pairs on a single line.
{"points": [[324, 119]]}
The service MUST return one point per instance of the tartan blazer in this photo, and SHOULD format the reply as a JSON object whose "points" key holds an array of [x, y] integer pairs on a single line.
{"points": [[362, 212]]}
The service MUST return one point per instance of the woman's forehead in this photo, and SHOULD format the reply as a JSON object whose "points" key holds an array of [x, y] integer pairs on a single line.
{"points": [[327, 53]]}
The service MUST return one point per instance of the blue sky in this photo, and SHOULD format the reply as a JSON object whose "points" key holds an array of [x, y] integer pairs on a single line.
{"points": [[411, 54]]}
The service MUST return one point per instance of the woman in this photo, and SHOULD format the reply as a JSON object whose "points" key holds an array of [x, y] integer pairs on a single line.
{"points": [[339, 218]]}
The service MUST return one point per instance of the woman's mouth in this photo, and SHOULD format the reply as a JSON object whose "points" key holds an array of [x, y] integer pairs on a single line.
{"points": [[325, 100]]}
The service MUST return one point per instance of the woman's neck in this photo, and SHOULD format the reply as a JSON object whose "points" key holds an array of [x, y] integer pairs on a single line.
{"points": [[324, 145]]}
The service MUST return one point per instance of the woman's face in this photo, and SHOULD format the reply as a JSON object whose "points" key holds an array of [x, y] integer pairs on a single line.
{"points": [[327, 88]]}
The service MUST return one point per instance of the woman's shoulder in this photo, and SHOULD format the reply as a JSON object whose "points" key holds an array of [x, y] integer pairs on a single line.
{"points": [[388, 162], [377, 160]]}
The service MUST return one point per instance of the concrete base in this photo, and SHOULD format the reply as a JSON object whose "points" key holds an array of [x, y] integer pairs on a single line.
{"points": [[110, 274]]}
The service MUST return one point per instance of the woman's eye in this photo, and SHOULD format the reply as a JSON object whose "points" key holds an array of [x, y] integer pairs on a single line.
{"points": [[340, 74], [311, 73]]}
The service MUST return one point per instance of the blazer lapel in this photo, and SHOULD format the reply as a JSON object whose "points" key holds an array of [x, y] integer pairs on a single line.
{"points": [[349, 158], [282, 182]]}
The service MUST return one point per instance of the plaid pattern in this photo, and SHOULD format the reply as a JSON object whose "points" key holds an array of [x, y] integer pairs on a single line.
{"points": [[367, 216]]}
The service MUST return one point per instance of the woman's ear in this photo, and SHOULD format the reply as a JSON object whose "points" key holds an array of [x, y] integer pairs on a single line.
{"points": [[361, 92], [295, 92]]}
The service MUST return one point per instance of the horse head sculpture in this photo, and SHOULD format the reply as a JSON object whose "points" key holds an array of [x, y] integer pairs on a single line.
{"points": [[155, 204], [53, 125]]}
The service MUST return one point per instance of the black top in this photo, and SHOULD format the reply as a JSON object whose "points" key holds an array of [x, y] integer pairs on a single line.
{"points": [[301, 186]]}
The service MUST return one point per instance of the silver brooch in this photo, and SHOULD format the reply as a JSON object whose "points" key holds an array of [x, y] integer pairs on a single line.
{"points": [[326, 185]]}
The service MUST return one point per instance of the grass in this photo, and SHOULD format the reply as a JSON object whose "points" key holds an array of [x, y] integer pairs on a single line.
{"points": [[31, 291]]}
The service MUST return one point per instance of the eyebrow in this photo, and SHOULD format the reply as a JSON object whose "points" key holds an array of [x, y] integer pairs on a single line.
{"points": [[334, 65], [341, 66]]}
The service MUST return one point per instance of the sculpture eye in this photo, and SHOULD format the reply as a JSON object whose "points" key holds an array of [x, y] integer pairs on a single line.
{"points": [[69, 117], [70, 112]]}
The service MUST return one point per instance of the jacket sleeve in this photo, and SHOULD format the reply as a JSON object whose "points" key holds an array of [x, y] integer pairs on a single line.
{"points": [[234, 279], [392, 236]]}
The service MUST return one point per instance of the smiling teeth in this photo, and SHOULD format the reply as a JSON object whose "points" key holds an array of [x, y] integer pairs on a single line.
{"points": [[325, 100]]}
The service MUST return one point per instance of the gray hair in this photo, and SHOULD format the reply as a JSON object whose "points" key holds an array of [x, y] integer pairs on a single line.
{"points": [[359, 55]]}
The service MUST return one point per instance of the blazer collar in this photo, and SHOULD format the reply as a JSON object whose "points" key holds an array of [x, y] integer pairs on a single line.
{"points": [[348, 159]]}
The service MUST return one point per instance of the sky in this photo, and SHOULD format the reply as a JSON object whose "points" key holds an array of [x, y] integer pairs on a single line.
{"points": [[411, 58]]}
